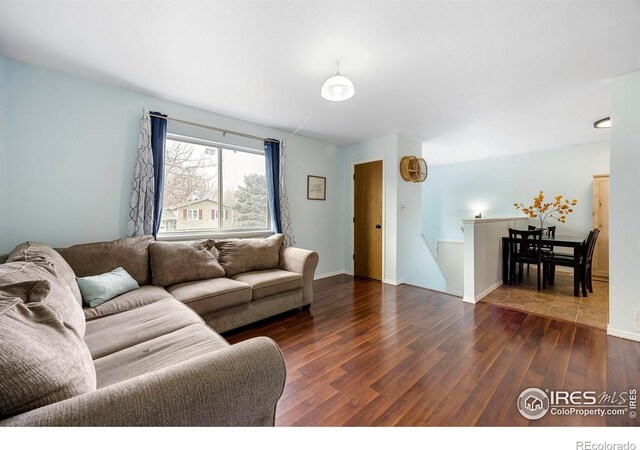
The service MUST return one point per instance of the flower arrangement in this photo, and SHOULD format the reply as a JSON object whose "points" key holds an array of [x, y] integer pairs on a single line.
{"points": [[558, 209]]}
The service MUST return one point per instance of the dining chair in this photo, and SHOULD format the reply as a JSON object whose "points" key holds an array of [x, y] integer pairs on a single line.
{"points": [[552, 232], [588, 262], [525, 248], [546, 248], [586, 257], [552, 229]]}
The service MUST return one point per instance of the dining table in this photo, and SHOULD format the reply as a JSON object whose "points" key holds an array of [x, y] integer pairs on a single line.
{"points": [[572, 242]]}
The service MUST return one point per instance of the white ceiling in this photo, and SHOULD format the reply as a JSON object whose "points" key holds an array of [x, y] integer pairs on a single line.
{"points": [[471, 79]]}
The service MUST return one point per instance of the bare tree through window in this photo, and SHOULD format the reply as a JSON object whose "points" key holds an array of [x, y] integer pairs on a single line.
{"points": [[192, 201]]}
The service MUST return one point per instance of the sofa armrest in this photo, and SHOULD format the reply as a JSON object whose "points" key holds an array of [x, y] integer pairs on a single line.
{"points": [[236, 386], [303, 262]]}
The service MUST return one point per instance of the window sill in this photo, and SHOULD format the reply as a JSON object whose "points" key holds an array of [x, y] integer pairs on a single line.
{"points": [[194, 236]]}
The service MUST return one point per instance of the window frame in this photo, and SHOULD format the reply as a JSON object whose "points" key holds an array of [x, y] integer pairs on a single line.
{"points": [[196, 214], [220, 232]]}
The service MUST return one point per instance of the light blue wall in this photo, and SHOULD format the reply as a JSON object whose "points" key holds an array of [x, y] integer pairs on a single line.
{"points": [[416, 265], [406, 258], [624, 247], [3, 154], [453, 191], [72, 149], [316, 222], [384, 148]]}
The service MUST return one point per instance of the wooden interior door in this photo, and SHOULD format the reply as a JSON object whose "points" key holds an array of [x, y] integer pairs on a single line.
{"points": [[600, 263], [367, 181]]}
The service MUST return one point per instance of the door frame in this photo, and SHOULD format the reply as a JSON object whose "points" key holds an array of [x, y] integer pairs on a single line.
{"points": [[384, 213], [594, 220]]}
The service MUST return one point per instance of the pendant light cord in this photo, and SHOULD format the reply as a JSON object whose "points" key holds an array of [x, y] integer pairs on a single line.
{"points": [[304, 121]]}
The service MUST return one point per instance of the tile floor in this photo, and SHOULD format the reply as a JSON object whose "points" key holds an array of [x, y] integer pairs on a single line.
{"points": [[556, 301]]}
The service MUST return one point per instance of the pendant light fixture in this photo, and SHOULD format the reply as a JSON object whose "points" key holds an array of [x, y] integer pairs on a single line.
{"points": [[338, 88], [603, 123]]}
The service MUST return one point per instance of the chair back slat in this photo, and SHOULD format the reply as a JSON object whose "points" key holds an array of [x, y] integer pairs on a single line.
{"points": [[525, 243], [552, 229], [591, 245]]}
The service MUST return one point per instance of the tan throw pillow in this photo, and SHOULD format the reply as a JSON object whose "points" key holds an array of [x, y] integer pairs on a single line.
{"points": [[244, 255], [132, 254], [37, 252], [41, 360], [20, 279], [177, 262]]}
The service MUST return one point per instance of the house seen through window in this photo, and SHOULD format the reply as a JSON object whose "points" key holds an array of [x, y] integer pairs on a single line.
{"points": [[213, 188]]}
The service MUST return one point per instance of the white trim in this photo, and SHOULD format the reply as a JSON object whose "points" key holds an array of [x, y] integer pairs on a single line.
{"points": [[192, 236], [433, 290], [479, 297], [384, 213], [468, 299], [191, 210], [494, 219], [330, 274], [448, 241], [631, 335], [435, 257], [210, 143], [347, 272]]}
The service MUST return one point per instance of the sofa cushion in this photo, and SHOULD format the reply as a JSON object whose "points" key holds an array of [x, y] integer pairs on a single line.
{"points": [[178, 262], [211, 295], [99, 289], [244, 255], [132, 254], [163, 351], [20, 279], [113, 333], [129, 300], [265, 283], [34, 252], [42, 361]]}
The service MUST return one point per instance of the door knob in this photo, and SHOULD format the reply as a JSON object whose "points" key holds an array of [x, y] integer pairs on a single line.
{"points": [[378, 226]]}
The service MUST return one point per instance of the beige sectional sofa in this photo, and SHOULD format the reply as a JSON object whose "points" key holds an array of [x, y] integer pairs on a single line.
{"points": [[149, 357]]}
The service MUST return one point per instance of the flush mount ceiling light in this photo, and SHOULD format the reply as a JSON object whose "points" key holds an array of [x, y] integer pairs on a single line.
{"points": [[338, 88], [603, 123]]}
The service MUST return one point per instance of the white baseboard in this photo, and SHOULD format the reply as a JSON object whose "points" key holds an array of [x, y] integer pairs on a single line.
{"points": [[468, 299], [477, 298], [631, 335], [433, 290], [331, 274], [346, 272]]}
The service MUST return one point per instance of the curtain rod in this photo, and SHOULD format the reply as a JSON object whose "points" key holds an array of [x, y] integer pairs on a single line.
{"points": [[221, 130]]}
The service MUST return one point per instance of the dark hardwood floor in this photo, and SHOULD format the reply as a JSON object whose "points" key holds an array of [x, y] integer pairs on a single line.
{"points": [[370, 354]]}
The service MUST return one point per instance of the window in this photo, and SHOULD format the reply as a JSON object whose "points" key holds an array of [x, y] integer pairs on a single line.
{"points": [[213, 188], [192, 214]]}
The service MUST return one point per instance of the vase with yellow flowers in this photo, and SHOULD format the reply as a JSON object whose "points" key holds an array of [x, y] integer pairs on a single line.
{"points": [[557, 210]]}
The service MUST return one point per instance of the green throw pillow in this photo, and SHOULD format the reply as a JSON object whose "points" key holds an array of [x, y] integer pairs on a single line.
{"points": [[101, 288]]}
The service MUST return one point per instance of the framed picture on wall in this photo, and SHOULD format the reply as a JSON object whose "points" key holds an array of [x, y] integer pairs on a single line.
{"points": [[316, 188]]}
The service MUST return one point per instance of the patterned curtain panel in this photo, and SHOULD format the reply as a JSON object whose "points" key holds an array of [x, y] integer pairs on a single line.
{"points": [[141, 212], [285, 212]]}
